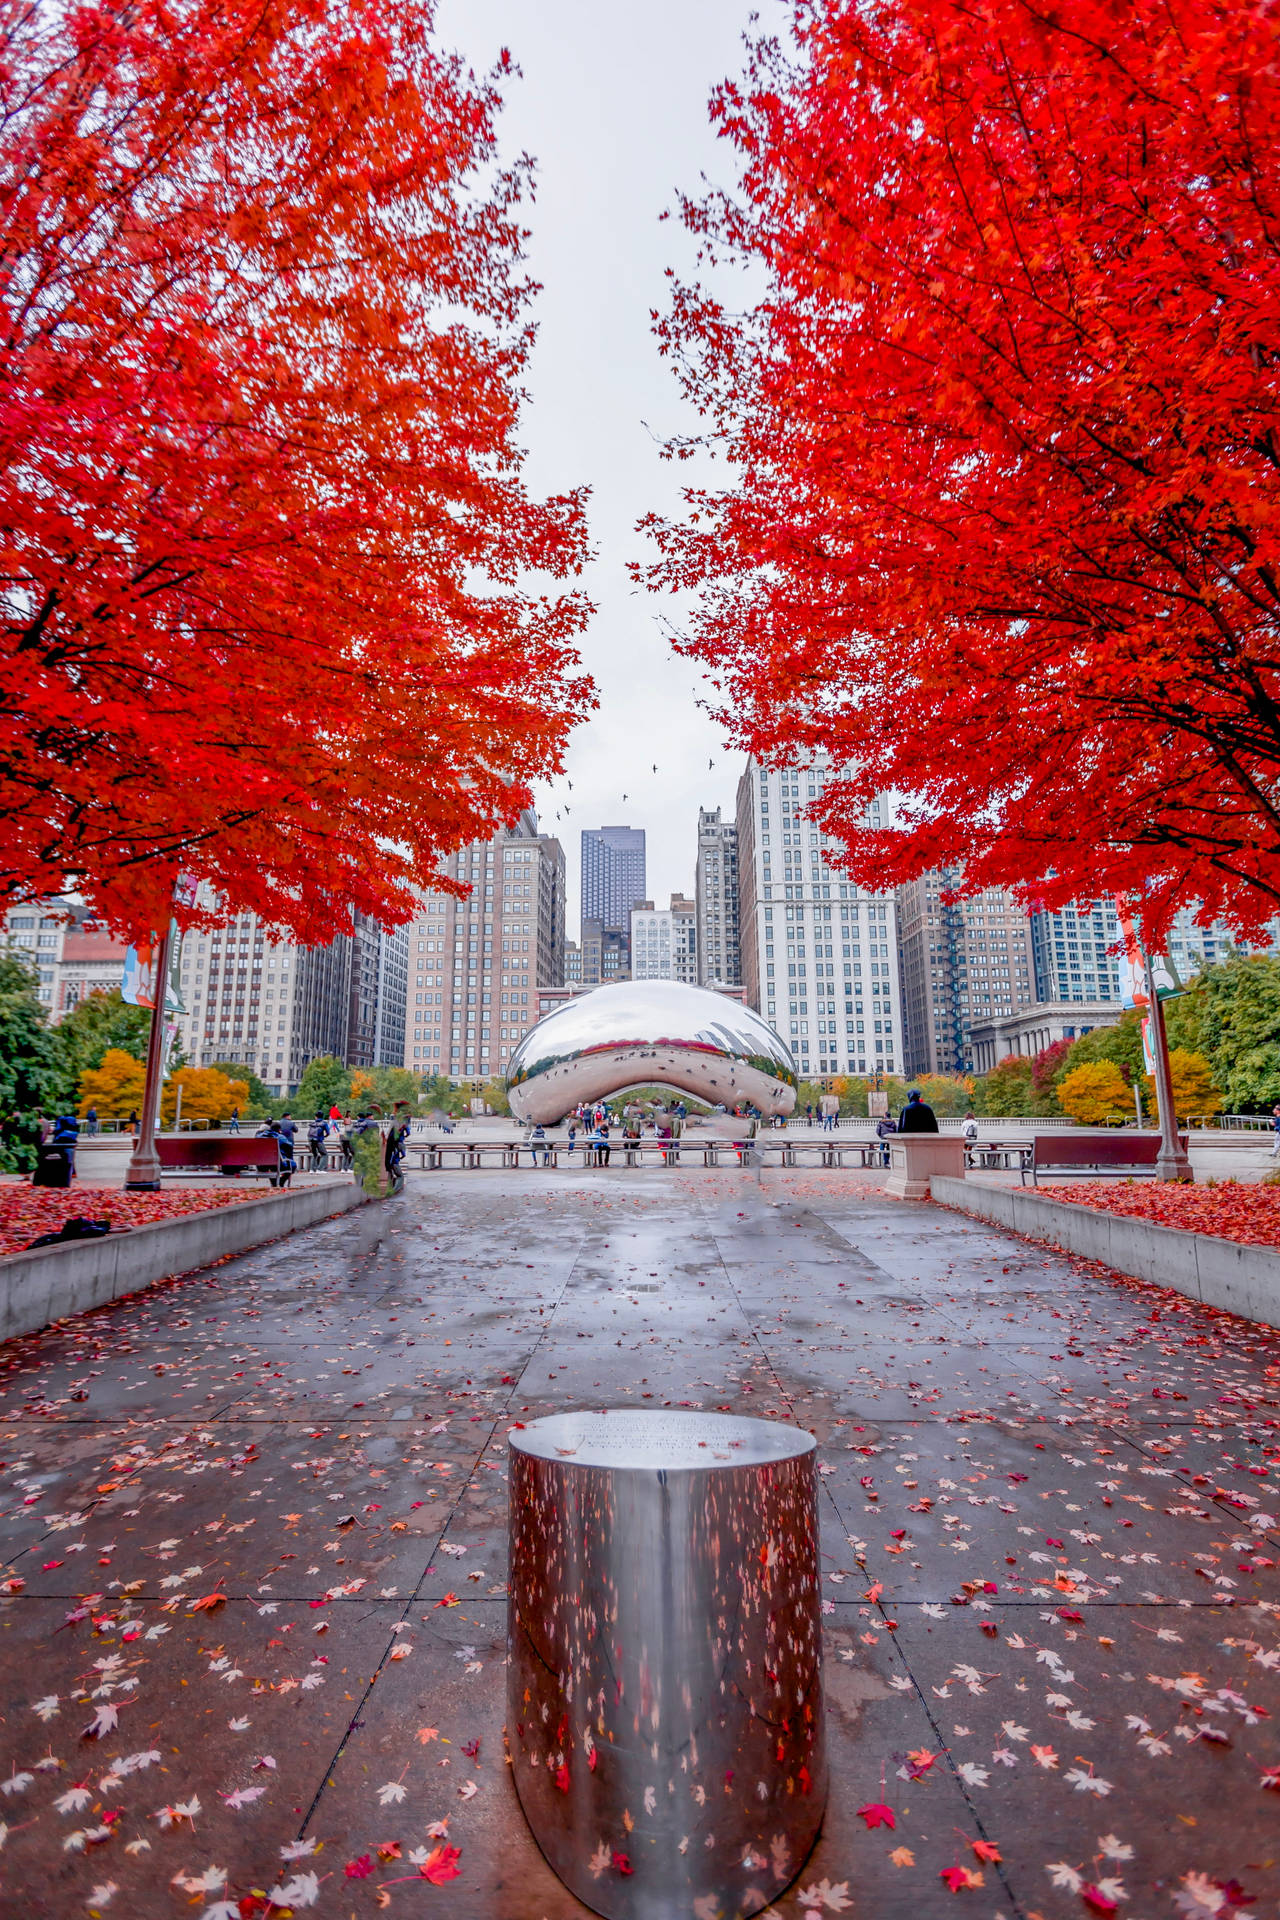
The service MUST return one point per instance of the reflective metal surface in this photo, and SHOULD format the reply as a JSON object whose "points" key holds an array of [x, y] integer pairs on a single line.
{"points": [[664, 1689], [642, 1032]]}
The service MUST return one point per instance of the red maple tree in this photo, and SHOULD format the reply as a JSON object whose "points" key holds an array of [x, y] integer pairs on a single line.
{"points": [[1003, 523], [278, 608]]}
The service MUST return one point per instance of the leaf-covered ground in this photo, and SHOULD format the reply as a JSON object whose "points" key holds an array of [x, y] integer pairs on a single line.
{"points": [[1232, 1211], [27, 1212], [254, 1528]]}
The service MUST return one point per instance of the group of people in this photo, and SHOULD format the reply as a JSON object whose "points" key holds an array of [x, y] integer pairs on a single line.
{"points": [[597, 1125]]}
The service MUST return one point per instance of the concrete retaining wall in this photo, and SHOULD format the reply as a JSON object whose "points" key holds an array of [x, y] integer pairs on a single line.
{"points": [[1221, 1273], [38, 1288]]}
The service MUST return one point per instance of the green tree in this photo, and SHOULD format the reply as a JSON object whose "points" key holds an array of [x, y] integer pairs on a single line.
{"points": [[1006, 1090], [31, 1074], [261, 1103], [395, 1083], [96, 1025], [1239, 1021], [494, 1095], [325, 1083], [1095, 1092], [948, 1096]]}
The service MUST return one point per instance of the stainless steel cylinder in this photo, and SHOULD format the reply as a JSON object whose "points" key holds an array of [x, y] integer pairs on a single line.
{"points": [[664, 1693]]}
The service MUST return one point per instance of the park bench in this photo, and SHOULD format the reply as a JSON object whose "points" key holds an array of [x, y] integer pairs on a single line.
{"points": [[1115, 1153], [231, 1154]]}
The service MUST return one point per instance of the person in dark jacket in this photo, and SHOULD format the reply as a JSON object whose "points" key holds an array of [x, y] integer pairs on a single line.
{"points": [[56, 1159], [917, 1116]]}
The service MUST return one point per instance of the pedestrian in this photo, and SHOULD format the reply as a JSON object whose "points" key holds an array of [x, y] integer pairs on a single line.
{"points": [[233, 1124], [132, 1123], [393, 1152], [808, 1110], [573, 1131], [830, 1108], [91, 1122], [288, 1128], [56, 1156], [316, 1134], [970, 1132], [538, 1145], [1275, 1122], [917, 1116], [884, 1128]]}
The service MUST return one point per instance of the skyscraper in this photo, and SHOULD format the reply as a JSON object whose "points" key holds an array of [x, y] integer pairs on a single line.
{"points": [[962, 962], [819, 955], [475, 965], [716, 892], [664, 941], [613, 870]]}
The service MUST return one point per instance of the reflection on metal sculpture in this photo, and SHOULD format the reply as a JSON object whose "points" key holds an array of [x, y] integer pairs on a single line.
{"points": [[664, 1692], [650, 1032]]}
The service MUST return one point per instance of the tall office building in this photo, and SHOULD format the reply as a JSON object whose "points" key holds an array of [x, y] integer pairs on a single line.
{"points": [[267, 1003], [613, 869], [1071, 957], [819, 955], [664, 941], [475, 965], [962, 963], [379, 995], [716, 892]]}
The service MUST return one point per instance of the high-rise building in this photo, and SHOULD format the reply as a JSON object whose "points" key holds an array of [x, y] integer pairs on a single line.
{"points": [[36, 929], [962, 962], [613, 869], [263, 1002], [379, 995], [716, 892], [572, 964], [819, 955], [606, 953], [1072, 961], [475, 965], [664, 941]]}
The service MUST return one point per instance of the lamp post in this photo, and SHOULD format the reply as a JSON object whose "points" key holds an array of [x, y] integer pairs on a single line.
{"points": [[143, 1172], [1172, 1161]]}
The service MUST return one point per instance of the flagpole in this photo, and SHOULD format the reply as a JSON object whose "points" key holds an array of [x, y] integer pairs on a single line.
{"points": [[143, 1172], [1172, 1162]]}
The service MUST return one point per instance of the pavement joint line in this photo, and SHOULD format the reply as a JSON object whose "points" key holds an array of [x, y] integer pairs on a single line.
{"points": [[890, 1630], [416, 1596]]}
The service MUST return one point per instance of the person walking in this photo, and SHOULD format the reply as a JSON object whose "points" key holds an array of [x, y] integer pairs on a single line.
{"points": [[830, 1106], [233, 1124], [1275, 1123], [970, 1132], [917, 1116], [91, 1122], [316, 1135], [132, 1123]]}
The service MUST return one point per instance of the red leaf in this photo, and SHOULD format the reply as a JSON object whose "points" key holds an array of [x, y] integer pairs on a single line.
{"points": [[877, 1814], [441, 1864], [359, 1868]]}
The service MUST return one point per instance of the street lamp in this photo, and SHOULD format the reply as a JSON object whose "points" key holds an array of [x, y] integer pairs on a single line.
{"points": [[1172, 1161]]}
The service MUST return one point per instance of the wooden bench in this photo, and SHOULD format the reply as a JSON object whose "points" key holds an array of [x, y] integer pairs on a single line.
{"points": [[1115, 1153], [231, 1154]]}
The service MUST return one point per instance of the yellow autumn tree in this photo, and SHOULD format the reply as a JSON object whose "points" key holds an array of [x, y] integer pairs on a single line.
{"points": [[1095, 1093], [114, 1088], [1194, 1091], [208, 1094]]}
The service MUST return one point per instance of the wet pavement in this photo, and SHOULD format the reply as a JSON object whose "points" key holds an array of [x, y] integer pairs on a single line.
{"points": [[253, 1531]]}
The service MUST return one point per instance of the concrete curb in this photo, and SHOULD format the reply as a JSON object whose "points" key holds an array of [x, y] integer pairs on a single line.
{"points": [[1219, 1273], [39, 1288]]}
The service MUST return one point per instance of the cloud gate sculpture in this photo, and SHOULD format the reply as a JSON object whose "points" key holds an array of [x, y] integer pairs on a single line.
{"points": [[650, 1032]]}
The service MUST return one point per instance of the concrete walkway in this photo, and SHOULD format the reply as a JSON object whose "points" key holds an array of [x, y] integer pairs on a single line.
{"points": [[258, 1518]]}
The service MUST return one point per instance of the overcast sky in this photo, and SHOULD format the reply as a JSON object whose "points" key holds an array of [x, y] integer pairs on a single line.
{"points": [[613, 107]]}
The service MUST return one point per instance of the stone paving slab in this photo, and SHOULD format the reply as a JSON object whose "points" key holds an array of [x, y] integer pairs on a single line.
{"points": [[275, 1493]]}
